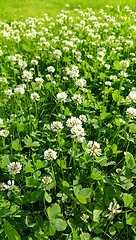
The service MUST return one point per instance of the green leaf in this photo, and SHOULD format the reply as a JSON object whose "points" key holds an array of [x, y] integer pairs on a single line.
{"points": [[36, 196], [47, 197], [85, 192], [81, 199], [128, 200], [98, 230], [40, 235], [96, 174], [115, 95], [28, 168], [119, 225], [131, 219], [10, 232], [96, 214], [26, 48], [53, 211], [5, 161], [28, 141], [21, 127], [85, 236], [132, 128], [16, 145], [117, 65], [62, 163], [32, 182], [105, 115], [47, 85], [35, 144], [66, 112], [65, 184], [129, 159], [4, 208], [59, 224], [112, 230], [39, 164], [117, 122]]}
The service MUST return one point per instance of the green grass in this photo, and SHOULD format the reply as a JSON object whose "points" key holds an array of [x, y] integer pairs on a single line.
{"points": [[11, 10]]}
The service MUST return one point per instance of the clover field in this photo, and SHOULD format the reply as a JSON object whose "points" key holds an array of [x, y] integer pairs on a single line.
{"points": [[68, 126]]}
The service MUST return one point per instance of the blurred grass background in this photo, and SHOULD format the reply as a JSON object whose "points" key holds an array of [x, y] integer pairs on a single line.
{"points": [[11, 10]]}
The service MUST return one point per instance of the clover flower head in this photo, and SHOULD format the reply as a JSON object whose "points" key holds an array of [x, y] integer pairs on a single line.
{"points": [[114, 208], [84, 217], [4, 133], [93, 148], [35, 96], [14, 167], [46, 180], [56, 126], [50, 154], [61, 97]]}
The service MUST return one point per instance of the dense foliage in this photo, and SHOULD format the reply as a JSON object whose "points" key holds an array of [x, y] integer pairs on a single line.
{"points": [[67, 126]]}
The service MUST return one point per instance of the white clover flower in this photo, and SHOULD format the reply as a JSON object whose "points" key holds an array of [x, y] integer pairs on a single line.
{"points": [[118, 170], [108, 83], [93, 148], [19, 90], [122, 121], [34, 62], [39, 82], [56, 126], [77, 98], [4, 133], [80, 82], [113, 77], [1, 121], [53, 82], [107, 66], [3, 80], [61, 96], [74, 73], [13, 116], [10, 187], [134, 60], [22, 64], [123, 74], [57, 53], [50, 154], [48, 76], [12, 59], [3, 186], [46, 180], [84, 217], [83, 118], [66, 49], [27, 76], [131, 112], [51, 69], [132, 96], [113, 209], [89, 56], [124, 63], [73, 121], [9, 93], [14, 167], [78, 133], [1, 53], [129, 43], [35, 96]]}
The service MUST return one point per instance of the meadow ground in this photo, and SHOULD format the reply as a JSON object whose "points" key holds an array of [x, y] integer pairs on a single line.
{"points": [[11, 10], [67, 120]]}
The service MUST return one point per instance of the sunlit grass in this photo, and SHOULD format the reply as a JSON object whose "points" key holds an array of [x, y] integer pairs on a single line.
{"points": [[18, 9]]}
